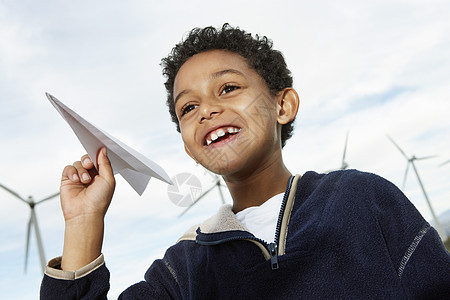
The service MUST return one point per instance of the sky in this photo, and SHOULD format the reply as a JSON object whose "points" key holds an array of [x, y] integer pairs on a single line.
{"points": [[369, 68]]}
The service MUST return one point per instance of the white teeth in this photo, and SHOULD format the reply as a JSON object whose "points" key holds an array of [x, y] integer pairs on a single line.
{"points": [[220, 132], [233, 130], [214, 136]]}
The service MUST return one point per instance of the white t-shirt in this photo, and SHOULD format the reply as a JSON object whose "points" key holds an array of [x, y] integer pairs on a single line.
{"points": [[262, 220]]}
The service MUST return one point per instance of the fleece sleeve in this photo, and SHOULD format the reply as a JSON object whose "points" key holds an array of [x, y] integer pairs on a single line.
{"points": [[89, 282], [419, 257], [161, 282], [425, 267]]}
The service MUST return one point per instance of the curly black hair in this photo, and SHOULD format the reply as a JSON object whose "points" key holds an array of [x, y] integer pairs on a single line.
{"points": [[257, 51]]}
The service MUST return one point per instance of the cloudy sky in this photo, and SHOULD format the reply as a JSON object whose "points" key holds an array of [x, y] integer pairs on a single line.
{"points": [[369, 68]]}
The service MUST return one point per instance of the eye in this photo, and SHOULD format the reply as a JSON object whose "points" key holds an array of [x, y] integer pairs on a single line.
{"points": [[187, 108], [228, 88]]}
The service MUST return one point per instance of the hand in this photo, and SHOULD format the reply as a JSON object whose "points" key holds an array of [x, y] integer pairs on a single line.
{"points": [[84, 191], [85, 197]]}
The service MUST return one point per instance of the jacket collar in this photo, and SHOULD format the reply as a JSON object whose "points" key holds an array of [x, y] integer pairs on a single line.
{"points": [[225, 220]]}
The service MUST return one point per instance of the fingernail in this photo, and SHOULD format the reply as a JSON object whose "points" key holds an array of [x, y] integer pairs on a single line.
{"points": [[86, 161], [75, 178], [85, 176]]}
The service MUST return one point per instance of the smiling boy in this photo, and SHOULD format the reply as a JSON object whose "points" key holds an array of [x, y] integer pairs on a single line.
{"points": [[340, 235], [217, 97]]}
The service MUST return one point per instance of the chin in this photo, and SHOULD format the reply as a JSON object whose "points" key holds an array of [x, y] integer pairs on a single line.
{"points": [[223, 166]]}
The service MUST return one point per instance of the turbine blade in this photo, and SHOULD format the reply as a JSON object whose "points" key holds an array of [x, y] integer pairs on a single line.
{"points": [[397, 146], [406, 174], [47, 198], [13, 193], [444, 163], [426, 157], [39, 241], [27, 244], [196, 200], [344, 164]]}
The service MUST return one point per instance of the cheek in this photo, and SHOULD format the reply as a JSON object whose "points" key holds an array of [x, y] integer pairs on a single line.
{"points": [[188, 144], [262, 110], [183, 131], [186, 135]]}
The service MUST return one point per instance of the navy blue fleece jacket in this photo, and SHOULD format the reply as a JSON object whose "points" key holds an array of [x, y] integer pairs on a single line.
{"points": [[346, 234]]}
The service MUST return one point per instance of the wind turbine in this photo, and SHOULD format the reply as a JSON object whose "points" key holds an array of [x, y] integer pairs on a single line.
{"points": [[444, 163], [344, 164], [32, 222], [411, 160], [217, 184]]}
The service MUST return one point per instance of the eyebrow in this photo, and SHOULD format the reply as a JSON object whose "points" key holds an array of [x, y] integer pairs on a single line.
{"points": [[213, 76], [224, 72], [183, 92]]}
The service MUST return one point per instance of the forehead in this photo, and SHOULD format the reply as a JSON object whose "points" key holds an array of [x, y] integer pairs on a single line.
{"points": [[202, 65]]}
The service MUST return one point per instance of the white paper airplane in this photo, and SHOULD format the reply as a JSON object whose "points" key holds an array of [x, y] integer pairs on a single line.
{"points": [[134, 167]]}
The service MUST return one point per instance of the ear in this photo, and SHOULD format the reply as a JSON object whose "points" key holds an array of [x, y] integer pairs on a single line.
{"points": [[287, 105]]}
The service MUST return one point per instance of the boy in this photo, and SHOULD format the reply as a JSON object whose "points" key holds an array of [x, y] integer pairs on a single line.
{"points": [[340, 235]]}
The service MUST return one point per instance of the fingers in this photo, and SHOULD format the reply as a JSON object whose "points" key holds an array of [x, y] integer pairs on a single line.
{"points": [[81, 171], [70, 173], [86, 162], [104, 165]]}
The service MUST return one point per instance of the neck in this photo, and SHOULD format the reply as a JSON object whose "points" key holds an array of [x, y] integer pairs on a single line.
{"points": [[256, 188]]}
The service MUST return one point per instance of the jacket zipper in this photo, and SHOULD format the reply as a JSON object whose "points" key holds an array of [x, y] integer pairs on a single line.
{"points": [[272, 248]]}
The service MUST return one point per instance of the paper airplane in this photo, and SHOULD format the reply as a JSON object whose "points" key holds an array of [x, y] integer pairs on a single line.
{"points": [[134, 167]]}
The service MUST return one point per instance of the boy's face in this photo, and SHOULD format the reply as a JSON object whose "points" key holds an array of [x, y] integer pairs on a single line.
{"points": [[227, 116]]}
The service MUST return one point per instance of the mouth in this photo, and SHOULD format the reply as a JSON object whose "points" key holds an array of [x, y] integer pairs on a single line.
{"points": [[221, 134]]}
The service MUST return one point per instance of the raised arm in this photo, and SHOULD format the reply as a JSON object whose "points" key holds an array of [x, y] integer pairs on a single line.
{"points": [[85, 197]]}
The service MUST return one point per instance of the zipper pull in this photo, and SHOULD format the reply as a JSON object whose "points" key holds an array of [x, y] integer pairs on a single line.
{"points": [[273, 251]]}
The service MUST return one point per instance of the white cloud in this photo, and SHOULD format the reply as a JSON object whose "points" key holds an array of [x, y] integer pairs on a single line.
{"points": [[371, 67]]}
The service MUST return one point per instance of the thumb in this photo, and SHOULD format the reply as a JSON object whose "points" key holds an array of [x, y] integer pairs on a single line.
{"points": [[104, 165]]}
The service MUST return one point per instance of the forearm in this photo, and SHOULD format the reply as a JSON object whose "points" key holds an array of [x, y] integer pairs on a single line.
{"points": [[83, 239]]}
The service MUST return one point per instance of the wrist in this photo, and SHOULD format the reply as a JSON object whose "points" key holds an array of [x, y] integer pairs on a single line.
{"points": [[83, 239], [85, 220]]}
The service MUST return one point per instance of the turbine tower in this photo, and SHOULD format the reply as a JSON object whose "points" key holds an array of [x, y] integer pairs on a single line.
{"points": [[32, 222], [344, 164], [411, 160], [217, 184]]}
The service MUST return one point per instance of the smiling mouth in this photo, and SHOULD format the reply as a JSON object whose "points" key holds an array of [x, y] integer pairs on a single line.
{"points": [[221, 134]]}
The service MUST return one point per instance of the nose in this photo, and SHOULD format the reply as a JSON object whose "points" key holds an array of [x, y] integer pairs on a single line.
{"points": [[209, 109]]}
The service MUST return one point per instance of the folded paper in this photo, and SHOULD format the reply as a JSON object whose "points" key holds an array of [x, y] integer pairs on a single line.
{"points": [[134, 167]]}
